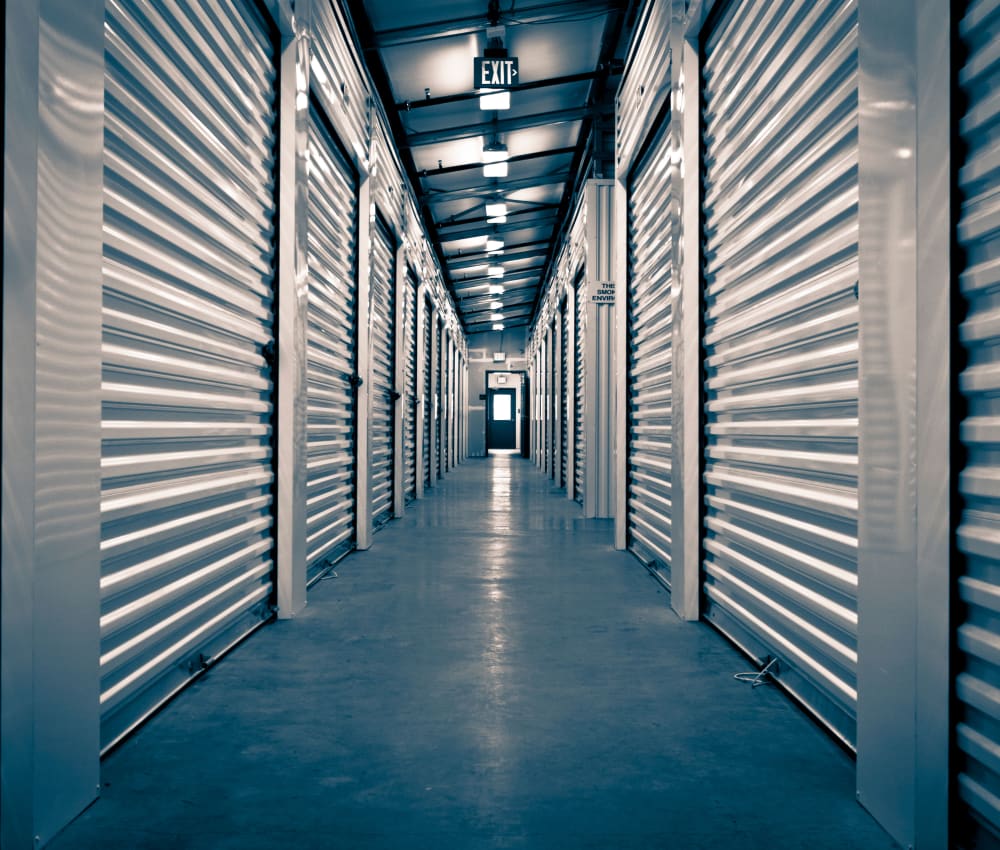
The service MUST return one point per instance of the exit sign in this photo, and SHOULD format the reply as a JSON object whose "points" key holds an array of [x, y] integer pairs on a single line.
{"points": [[494, 73]]}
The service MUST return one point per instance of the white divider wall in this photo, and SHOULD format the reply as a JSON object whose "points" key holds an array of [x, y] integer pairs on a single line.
{"points": [[587, 250]]}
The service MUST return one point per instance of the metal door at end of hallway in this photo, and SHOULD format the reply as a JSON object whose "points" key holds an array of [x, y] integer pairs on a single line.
{"points": [[501, 418], [331, 341], [382, 395], [976, 765], [187, 530], [650, 366], [780, 267]]}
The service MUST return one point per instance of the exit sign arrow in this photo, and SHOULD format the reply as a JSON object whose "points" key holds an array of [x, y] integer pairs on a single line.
{"points": [[494, 73]]}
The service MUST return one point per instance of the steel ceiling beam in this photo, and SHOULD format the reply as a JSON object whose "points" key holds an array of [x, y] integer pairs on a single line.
{"points": [[475, 166], [586, 76], [517, 309], [543, 13], [504, 258], [522, 274], [531, 209], [478, 228], [473, 193], [473, 306], [491, 128], [466, 255]]}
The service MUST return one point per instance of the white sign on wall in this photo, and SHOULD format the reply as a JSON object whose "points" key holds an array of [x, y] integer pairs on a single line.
{"points": [[604, 292]]}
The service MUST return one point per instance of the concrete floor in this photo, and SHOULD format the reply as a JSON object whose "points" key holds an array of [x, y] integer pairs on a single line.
{"points": [[491, 674]]}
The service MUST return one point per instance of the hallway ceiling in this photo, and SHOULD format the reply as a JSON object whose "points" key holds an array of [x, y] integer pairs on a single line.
{"points": [[558, 129]]}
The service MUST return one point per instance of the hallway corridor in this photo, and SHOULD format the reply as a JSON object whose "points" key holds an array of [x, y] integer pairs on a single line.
{"points": [[492, 674]]}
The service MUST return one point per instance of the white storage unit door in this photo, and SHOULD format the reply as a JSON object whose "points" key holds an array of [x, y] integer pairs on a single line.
{"points": [[977, 663], [579, 438], [438, 398], [650, 364], [410, 386], [330, 351], [383, 372], [445, 403], [564, 411], [427, 390], [780, 101], [186, 503]]}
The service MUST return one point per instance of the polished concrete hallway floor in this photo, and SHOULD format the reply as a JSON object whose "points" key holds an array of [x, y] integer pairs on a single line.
{"points": [[491, 674]]}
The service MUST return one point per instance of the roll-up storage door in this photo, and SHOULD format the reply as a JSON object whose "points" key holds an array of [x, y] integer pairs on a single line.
{"points": [[780, 101], [438, 390], [650, 365], [977, 662], [427, 390], [330, 351], [550, 363], [186, 502], [410, 388], [383, 371], [445, 402], [565, 412], [579, 438]]}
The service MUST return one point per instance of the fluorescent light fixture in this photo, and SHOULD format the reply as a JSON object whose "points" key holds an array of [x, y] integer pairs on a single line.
{"points": [[494, 271], [494, 245], [496, 211], [495, 152], [496, 289], [494, 98], [496, 317], [498, 326], [496, 305], [495, 159], [499, 219]]}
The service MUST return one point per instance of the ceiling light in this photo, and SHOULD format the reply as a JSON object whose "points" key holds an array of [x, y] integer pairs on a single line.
{"points": [[498, 326], [496, 211], [496, 305], [494, 271], [495, 169], [495, 152], [496, 317], [496, 289], [494, 99], [494, 245]]}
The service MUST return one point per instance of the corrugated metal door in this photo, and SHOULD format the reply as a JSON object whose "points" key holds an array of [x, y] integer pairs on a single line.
{"points": [[564, 411], [427, 391], [780, 100], [445, 402], [186, 505], [410, 386], [330, 350], [579, 438], [438, 390], [978, 636], [550, 363], [650, 372], [383, 371]]}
